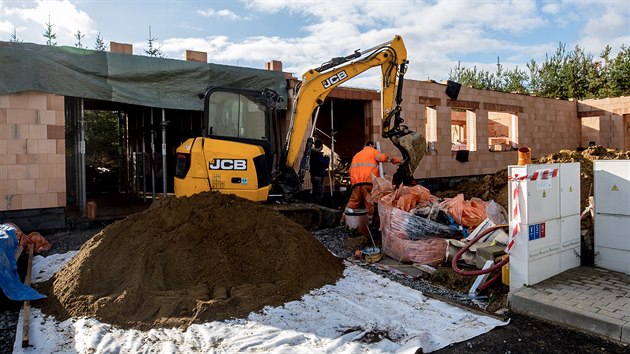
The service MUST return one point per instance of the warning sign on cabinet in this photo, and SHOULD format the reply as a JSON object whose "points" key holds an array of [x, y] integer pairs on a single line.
{"points": [[536, 231]]}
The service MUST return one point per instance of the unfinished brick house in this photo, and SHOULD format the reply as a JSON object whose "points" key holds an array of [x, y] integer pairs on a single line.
{"points": [[42, 176]]}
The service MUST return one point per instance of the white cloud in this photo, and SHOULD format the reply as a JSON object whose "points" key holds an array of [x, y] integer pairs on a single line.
{"points": [[434, 31], [608, 27], [551, 8], [224, 13], [6, 27], [437, 33], [64, 16]]}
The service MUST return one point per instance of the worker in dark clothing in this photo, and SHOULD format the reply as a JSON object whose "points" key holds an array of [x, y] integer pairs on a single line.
{"points": [[318, 166]]}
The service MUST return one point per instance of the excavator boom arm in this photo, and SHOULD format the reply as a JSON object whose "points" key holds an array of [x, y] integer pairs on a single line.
{"points": [[317, 84]]}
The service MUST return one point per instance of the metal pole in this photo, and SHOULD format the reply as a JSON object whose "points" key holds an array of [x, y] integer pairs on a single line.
{"points": [[164, 171], [315, 121], [83, 195], [380, 164], [144, 172], [332, 149], [128, 155], [136, 160], [152, 157], [121, 155]]}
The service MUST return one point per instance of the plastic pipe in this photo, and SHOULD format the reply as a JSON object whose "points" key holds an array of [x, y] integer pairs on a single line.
{"points": [[503, 262], [524, 155]]}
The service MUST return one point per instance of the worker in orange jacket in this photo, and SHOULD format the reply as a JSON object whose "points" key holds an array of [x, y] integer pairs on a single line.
{"points": [[365, 164]]}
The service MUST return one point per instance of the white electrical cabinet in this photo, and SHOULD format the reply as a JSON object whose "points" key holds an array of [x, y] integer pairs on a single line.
{"points": [[548, 241], [569, 189], [570, 236], [612, 214]]}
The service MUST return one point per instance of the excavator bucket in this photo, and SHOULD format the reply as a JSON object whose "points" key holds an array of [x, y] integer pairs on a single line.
{"points": [[412, 146]]}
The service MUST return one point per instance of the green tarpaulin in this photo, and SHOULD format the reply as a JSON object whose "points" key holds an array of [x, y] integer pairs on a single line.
{"points": [[131, 79]]}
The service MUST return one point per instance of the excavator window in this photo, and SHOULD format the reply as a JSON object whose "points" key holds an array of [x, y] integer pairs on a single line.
{"points": [[234, 115]]}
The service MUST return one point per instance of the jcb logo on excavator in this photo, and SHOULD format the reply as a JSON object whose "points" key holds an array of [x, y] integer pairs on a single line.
{"points": [[340, 76], [227, 164]]}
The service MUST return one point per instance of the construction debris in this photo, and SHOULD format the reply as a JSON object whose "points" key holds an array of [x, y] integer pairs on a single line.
{"points": [[495, 186], [190, 260]]}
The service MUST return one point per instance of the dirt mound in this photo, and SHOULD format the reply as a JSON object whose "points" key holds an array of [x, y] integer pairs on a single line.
{"points": [[189, 260], [494, 187], [585, 158], [490, 187]]}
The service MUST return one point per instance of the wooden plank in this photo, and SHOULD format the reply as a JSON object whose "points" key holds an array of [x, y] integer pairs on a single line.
{"points": [[466, 306], [18, 252], [27, 304]]}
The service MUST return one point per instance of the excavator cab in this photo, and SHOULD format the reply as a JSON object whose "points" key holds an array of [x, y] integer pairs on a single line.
{"points": [[237, 152]]}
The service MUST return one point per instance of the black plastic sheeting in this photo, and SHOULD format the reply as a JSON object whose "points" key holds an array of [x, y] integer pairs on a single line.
{"points": [[123, 78]]}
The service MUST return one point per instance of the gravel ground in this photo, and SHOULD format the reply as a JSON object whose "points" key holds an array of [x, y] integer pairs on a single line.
{"points": [[522, 335], [334, 240]]}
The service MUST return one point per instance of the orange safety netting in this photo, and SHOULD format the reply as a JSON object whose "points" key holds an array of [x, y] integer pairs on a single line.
{"points": [[469, 213], [423, 249], [40, 244], [411, 238]]}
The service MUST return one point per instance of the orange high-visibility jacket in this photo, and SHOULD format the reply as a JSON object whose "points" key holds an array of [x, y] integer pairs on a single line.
{"points": [[364, 164]]}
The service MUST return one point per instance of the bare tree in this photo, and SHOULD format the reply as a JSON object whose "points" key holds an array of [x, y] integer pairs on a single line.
{"points": [[78, 37], [13, 38]]}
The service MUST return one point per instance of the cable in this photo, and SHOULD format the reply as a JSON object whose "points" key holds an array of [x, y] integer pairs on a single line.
{"points": [[503, 262]]}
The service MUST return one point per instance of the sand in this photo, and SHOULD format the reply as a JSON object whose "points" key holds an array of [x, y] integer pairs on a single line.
{"points": [[190, 260]]}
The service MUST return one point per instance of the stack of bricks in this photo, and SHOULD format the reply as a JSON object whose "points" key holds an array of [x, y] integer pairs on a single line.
{"points": [[32, 151]]}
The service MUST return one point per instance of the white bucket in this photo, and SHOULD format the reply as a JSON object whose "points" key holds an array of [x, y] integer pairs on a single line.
{"points": [[357, 219]]}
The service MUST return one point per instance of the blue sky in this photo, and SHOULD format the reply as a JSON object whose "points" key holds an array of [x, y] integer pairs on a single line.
{"points": [[303, 34]]}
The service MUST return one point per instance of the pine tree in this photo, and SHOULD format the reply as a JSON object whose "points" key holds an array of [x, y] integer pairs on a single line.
{"points": [[153, 51], [49, 34], [78, 36], [564, 74], [100, 44]]}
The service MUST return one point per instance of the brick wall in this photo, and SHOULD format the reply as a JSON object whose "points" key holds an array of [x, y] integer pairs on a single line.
{"points": [[32, 151], [545, 125], [606, 122]]}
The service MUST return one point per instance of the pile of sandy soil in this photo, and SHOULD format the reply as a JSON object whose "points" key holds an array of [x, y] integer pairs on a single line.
{"points": [[491, 187], [585, 158], [190, 260], [495, 187]]}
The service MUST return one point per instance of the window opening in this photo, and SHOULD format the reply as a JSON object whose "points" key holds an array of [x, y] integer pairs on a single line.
{"points": [[502, 131], [235, 115], [431, 128]]}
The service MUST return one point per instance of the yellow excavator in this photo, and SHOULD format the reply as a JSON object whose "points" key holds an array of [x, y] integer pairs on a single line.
{"points": [[241, 150]]}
